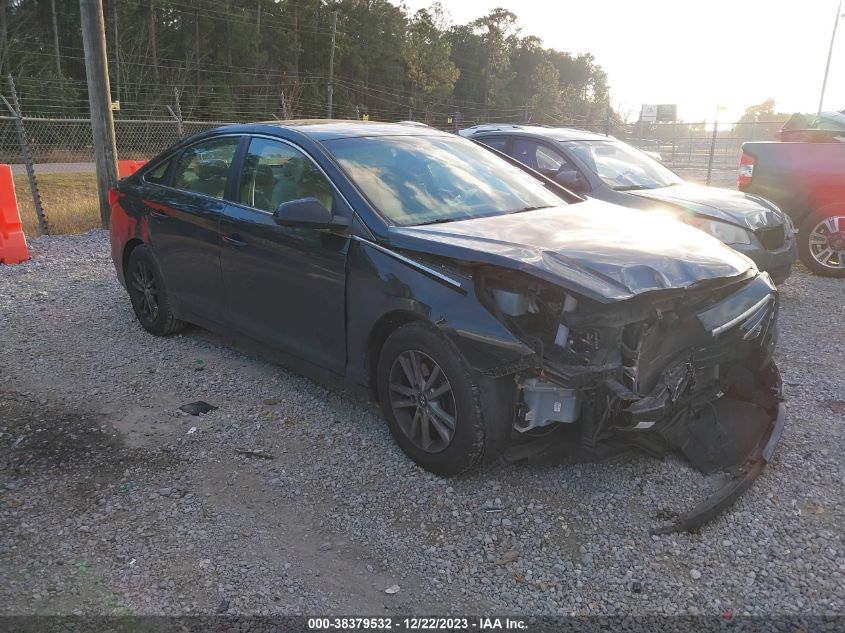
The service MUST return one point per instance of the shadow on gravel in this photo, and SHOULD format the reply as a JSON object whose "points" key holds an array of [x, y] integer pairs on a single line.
{"points": [[38, 438]]}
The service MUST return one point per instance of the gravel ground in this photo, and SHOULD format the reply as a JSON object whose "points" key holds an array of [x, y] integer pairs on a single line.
{"points": [[113, 502]]}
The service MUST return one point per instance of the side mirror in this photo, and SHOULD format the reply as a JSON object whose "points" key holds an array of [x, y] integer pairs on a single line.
{"points": [[305, 213], [571, 179]]}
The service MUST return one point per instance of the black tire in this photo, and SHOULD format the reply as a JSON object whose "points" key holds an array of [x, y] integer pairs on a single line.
{"points": [[470, 436], [153, 309], [813, 230]]}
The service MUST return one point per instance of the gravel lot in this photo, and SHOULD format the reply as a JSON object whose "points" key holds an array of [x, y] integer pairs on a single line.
{"points": [[112, 501]]}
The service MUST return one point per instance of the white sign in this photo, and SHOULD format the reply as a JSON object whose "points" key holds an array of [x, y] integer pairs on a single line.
{"points": [[649, 113]]}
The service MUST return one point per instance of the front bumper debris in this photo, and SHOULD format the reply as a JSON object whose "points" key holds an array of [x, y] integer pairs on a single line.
{"points": [[692, 375], [745, 474], [735, 433]]}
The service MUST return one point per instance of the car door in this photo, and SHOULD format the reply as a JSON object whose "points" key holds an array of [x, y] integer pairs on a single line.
{"points": [[285, 286], [184, 226]]}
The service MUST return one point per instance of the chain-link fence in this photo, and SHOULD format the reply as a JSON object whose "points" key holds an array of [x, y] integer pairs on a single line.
{"points": [[61, 152], [696, 151], [62, 195], [70, 140]]}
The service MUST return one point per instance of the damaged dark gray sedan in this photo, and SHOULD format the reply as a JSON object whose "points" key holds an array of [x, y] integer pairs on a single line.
{"points": [[490, 312]]}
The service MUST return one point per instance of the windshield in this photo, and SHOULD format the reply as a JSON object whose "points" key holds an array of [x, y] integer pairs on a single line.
{"points": [[623, 167], [415, 180]]}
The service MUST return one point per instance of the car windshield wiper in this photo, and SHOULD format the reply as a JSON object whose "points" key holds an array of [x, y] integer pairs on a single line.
{"points": [[524, 209], [440, 221], [635, 187]]}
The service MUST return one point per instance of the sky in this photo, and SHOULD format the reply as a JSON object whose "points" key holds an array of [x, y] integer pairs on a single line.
{"points": [[699, 55]]}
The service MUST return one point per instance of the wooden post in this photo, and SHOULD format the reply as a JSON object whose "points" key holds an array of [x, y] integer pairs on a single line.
{"points": [[331, 62], [99, 101], [56, 50], [116, 51]]}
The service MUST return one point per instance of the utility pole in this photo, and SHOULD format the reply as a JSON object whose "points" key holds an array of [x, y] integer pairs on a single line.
{"points": [[197, 45], [839, 14], [331, 61], [4, 37], [257, 37], [56, 49], [713, 140], [116, 51], [99, 101]]}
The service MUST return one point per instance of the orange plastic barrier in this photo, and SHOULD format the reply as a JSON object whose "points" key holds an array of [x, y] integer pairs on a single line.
{"points": [[128, 167], [13, 249]]}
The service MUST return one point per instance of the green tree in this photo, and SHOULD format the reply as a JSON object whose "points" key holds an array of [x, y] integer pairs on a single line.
{"points": [[546, 93], [236, 60], [427, 51], [760, 121], [499, 35]]}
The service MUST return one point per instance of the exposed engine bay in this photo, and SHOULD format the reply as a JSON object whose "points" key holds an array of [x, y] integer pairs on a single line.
{"points": [[688, 371]]}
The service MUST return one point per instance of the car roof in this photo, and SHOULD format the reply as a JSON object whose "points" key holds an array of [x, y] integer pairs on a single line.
{"points": [[552, 133], [329, 129]]}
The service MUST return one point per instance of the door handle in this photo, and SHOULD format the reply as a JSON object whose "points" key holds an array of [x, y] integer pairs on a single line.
{"points": [[234, 241], [158, 215]]}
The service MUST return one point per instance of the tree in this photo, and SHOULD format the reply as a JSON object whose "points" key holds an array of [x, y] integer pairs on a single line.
{"points": [[498, 30], [760, 121], [546, 93], [761, 112], [427, 52], [236, 60]]}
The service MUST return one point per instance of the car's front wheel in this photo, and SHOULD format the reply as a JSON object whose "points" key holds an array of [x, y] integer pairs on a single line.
{"points": [[148, 294], [821, 242], [431, 400]]}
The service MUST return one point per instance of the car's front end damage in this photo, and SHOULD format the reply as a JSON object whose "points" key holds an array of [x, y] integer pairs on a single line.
{"points": [[636, 333], [689, 371]]}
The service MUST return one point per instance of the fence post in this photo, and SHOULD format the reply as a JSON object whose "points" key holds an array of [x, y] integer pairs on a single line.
{"points": [[712, 150], [177, 114], [26, 156]]}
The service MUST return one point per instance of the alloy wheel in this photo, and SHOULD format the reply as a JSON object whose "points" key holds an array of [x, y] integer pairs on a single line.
{"points": [[827, 242], [422, 401], [145, 290]]}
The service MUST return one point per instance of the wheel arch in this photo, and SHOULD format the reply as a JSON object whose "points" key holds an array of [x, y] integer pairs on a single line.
{"points": [[381, 330], [130, 246]]}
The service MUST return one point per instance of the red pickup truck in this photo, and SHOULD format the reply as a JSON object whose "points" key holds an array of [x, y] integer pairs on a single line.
{"points": [[807, 181]]}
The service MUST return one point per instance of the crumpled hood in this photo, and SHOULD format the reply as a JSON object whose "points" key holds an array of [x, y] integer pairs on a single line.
{"points": [[744, 210], [594, 248]]}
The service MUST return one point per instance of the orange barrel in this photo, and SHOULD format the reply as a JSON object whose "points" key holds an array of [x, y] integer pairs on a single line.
{"points": [[128, 167], [13, 249]]}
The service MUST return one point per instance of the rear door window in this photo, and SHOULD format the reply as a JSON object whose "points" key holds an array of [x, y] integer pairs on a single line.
{"points": [[204, 167]]}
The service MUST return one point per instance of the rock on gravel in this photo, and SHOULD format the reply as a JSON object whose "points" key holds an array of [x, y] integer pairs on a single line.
{"points": [[109, 505]]}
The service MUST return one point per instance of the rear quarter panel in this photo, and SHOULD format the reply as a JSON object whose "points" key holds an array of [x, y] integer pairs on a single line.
{"points": [[126, 223]]}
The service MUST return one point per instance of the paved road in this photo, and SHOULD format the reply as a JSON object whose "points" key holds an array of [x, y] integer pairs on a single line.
{"points": [[55, 168]]}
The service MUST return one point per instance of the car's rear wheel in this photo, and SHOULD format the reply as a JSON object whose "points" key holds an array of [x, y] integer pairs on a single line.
{"points": [[431, 400], [821, 242], [148, 294]]}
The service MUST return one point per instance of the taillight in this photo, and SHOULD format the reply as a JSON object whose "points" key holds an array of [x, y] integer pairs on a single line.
{"points": [[746, 171]]}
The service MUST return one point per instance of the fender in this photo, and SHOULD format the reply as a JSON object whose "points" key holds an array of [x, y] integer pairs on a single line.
{"points": [[395, 284]]}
